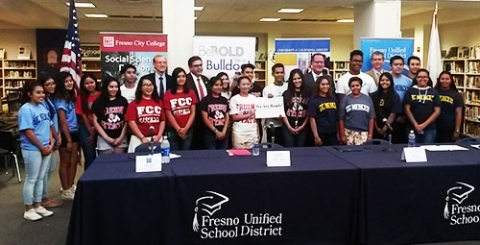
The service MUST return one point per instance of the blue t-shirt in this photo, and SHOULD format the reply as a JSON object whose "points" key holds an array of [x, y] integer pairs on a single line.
{"points": [[52, 113], [324, 110], [402, 84], [34, 117], [70, 114]]}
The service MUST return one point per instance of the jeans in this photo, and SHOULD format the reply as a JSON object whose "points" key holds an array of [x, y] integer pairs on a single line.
{"points": [[328, 139], [89, 151], [211, 143], [51, 168], [428, 135], [36, 167], [176, 143], [293, 140]]}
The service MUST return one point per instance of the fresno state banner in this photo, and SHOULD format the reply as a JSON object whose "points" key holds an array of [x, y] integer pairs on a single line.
{"points": [[138, 49]]}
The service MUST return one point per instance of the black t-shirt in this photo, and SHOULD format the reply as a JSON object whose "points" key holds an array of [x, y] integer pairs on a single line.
{"points": [[256, 90], [217, 110], [385, 104], [295, 106], [450, 100], [324, 110], [422, 103], [111, 115]]}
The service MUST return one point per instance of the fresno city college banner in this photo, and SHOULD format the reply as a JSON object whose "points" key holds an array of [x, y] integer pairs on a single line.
{"points": [[224, 54], [138, 49]]}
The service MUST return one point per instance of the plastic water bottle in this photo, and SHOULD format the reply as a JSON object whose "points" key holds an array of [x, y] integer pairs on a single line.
{"points": [[411, 139], [165, 147]]}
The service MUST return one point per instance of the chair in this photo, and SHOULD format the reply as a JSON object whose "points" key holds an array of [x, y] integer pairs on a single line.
{"points": [[471, 140], [7, 143], [14, 102], [145, 148], [376, 142]]}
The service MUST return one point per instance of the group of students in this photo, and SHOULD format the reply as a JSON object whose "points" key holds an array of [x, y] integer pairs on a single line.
{"points": [[111, 117]]}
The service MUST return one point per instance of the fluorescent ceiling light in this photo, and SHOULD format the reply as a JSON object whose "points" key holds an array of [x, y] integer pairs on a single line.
{"points": [[82, 5], [345, 21], [96, 15], [290, 11], [198, 8], [270, 19]]}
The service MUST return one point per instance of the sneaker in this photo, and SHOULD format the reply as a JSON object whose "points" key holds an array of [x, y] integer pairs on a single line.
{"points": [[67, 195], [73, 188], [31, 215], [43, 211]]}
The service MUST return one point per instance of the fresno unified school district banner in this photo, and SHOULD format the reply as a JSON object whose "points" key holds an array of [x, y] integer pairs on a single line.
{"points": [[224, 54], [138, 49], [389, 47], [296, 52]]}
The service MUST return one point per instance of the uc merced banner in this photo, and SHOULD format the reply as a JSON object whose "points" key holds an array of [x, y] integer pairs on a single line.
{"points": [[138, 49], [224, 54], [388, 46]]}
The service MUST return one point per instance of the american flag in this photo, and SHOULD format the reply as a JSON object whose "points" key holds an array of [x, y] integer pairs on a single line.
{"points": [[72, 58]]}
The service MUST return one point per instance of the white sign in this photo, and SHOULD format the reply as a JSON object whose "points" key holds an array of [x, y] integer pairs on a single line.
{"points": [[224, 54], [414, 154], [278, 159], [269, 107], [148, 163]]}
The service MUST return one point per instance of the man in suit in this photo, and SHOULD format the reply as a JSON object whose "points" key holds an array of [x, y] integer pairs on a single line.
{"points": [[377, 60], [317, 69], [195, 79], [161, 79]]}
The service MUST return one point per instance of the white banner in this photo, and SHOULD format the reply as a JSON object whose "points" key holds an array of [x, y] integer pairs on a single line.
{"points": [[224, 54]]}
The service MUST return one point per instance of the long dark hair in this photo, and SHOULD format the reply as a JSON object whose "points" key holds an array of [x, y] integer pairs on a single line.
{"points": [[84, 94], [138, 91], [316, 88], [175, 73], [43, 78], [104, 97], [379, 94], [291, 87], [219, 76], [453, 86], [60, 90], [29, 87], [429, 83]]}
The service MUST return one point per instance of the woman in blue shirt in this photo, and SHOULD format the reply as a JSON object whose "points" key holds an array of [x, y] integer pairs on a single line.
{"points": [[64, 101], [36, 143]]}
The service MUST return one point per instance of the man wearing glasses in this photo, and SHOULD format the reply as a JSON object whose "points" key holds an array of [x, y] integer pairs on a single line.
{"points": [[195, 79], [317, 65]]}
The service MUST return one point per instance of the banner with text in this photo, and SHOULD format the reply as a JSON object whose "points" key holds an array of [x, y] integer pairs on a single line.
{"points": [[296, 52], [224, 54], [138, 49], [389, 47]]}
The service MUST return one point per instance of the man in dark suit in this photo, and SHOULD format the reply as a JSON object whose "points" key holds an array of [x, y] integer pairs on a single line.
{"points": [[195, 79], [317, 65], [161, 79], [199, 84]]}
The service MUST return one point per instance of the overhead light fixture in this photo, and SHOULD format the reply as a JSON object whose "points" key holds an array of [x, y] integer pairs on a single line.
{"points": [[96, 15], [345, 21], [198, 8], [270, 19], [83, 5], [290, 11]]}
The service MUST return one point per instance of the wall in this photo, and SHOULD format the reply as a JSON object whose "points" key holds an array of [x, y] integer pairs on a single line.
{"points": [[11, 41], [459, 34]]}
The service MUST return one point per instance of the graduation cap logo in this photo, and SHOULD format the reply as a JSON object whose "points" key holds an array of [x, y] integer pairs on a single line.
{"points": [[458, 194], [210, 204]]}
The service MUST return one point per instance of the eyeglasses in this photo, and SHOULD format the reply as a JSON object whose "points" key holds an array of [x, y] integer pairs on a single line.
{"points": [[198, 65], [147, 85], [422, 77]]}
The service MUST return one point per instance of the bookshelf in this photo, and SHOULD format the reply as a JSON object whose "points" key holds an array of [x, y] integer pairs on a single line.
{"points": [[91, 62], [339, 68], [466, 75], [261, 72], [15, 74]]}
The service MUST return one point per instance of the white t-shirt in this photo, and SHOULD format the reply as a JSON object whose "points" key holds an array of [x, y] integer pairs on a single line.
{"points": [[241, 106], [128, 93], [276, 91], [368, 84]]}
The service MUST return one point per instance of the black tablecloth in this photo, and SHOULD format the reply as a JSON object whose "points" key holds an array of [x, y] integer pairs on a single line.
{"points": [[404, 203], [312, 202]]}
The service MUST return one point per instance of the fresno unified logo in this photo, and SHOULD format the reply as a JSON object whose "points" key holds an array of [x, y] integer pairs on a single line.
{"points": [[457, 213], [210, 225]]}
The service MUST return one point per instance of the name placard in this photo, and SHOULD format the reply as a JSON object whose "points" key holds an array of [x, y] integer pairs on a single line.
{"points": [[269, 107], [414, 154], [278, 159], [148, 163]]}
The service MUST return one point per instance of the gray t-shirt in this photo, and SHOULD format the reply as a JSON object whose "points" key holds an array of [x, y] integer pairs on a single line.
{"points": [[356, 112]]}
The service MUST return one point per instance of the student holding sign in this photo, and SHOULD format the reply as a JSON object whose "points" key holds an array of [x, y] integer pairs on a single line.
{"points": [[242, 108]]}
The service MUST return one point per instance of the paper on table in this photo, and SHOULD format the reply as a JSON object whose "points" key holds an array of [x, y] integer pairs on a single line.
{"points": [[239, 152], [476, 146], [173, 156], [443, 148]]}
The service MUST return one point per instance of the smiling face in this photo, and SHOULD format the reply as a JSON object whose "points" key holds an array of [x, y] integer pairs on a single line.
{"points": [[160, 64], [68, 83], [355, 87], [49, 86], [324, 86], [297, 80], [385, 83], [377, 61], [279, 74], [130, 75], [445, 81], [181, 79], [197, 68], [37, 95], [217, 87], [318, 64], [248, 72], [112, 89], [89, 84], [414, 66], [225, 81], [422, 79], [356, 64], [244, 85], [147, 88]]}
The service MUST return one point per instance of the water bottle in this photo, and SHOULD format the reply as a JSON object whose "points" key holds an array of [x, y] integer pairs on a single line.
{"points": [[411, 139], [165, 147]]}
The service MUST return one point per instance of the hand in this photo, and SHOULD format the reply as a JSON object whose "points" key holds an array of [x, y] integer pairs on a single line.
{"points": [[219, 135], [69, 146], [419, 128], [91, 139], [157, 138], [45, 151], [145, 140], [318, 141], [455, 135], [384, 131], [292, 130], [91, 130], [369, 137], [343, 139]]}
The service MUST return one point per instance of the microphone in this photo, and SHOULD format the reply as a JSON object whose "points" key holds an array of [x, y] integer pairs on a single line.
{"points": [[271, 125], [151, 130], [388, 125]]}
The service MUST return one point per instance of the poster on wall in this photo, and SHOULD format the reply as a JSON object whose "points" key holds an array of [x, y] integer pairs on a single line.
{"points": [[224, 54], [138, 49], [49, 43], [296, 52], [389, 47]]}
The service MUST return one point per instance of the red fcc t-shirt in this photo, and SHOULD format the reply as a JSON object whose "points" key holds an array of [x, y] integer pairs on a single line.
{"points": [[146, 113], [180, 105]]}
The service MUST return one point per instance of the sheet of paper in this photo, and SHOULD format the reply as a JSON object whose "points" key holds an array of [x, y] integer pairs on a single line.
{"points": [[414, 154], [278, 159], [476, 146], [148, 163], [269, 107], [443, 148], [238, 152]]}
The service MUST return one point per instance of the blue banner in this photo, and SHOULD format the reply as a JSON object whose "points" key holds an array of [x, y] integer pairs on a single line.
{"points": [[388, 46], [302, 45]]}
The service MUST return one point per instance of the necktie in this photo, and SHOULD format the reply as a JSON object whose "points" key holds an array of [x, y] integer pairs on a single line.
{"points": [[200, 89], [161, 87]]}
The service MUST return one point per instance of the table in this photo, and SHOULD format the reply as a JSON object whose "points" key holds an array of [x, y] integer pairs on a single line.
{"points": [[404, 203], [206, 197]]}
